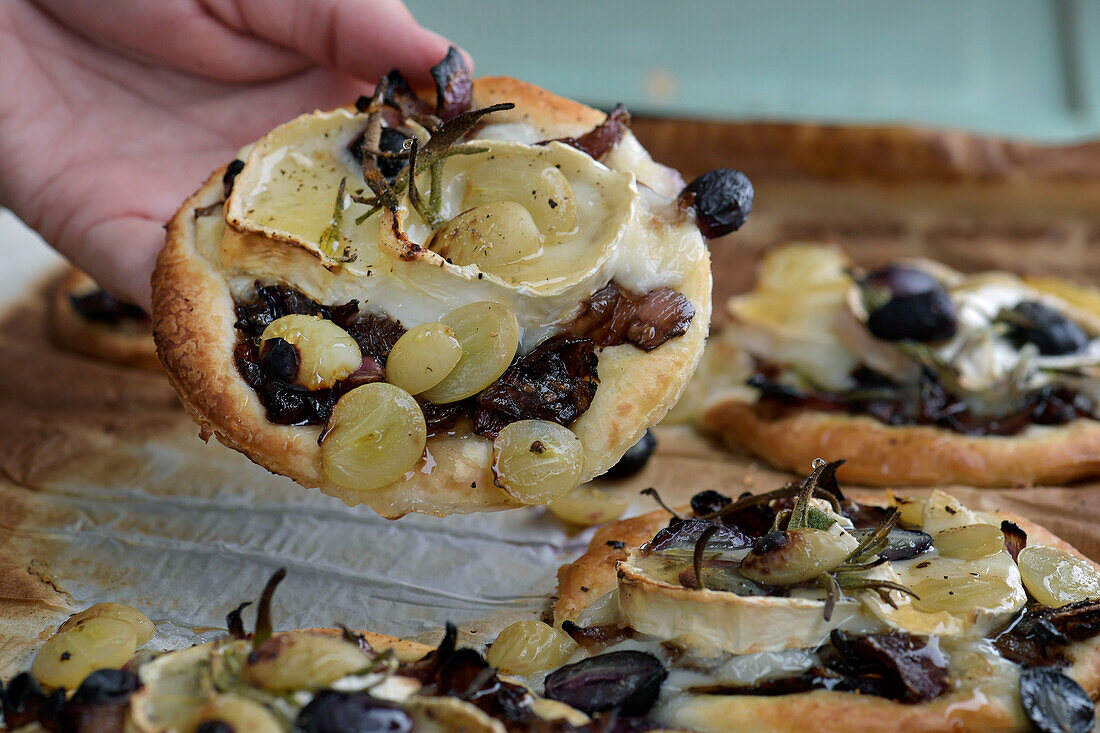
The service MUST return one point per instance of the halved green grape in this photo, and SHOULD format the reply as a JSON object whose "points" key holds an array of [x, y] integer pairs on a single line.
{"points": [[302, 660], [526, 647], [489, 334], [95, 643], [972, 542], [542, 189], [1055, 577], [422, 357], [589, 505], [537, 461], [794, 556], [911, 510], [143, 627], [961, 593], [239, 713], [326, 352], [375, 436], [489, 237]]}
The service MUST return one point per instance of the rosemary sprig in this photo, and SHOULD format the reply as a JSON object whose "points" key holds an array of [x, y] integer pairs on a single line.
{"points": [[700, 548], [329, 241], [652, 492], [424, 157]]}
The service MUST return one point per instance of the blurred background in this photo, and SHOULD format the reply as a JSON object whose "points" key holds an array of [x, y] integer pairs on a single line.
{"points": [[1023, 68]]}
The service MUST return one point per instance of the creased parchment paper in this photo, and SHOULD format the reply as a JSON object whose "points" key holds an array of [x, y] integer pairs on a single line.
{"points": [[106, 492]]}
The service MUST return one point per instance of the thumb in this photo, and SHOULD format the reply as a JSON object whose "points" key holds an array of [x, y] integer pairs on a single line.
{"points": [[362, 38]]}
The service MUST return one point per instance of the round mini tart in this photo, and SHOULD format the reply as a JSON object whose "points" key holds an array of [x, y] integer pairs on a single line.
{"points": [[961, 657], [88, 676], [546, 243], [85, 319], [1007, 391]]}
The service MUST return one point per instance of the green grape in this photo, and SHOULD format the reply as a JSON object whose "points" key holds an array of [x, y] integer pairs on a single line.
{"points": [[536, 461], [375, 436], [422, 357], [489, 334]]}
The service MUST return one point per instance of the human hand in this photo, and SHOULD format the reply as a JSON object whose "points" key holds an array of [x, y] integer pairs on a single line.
{"points": [[113, 112]]}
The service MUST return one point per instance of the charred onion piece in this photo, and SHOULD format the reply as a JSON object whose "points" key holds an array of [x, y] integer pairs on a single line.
{"points": [[627, 681], [907, 304], [235, 623], [230, 176], [1032, 322], [598, 141], [555, 381], [683, 536], [1055, 703], [263, 609], [1041, 634], [1015, 538], [597, 637], [909, 669], [453, 88], [614, 315], [399, 96], [635, 458], [722, 199], [338, 712]]}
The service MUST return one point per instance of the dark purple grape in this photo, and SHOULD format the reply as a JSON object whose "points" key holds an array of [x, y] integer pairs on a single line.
{"points": [[902, 544], [106, 686], [626, 681], [722, 199], [917, 309], [708, 502], [351, 712], [898, 280], [1032, 322], [1055, 703], [100, 703], [392, 141], [922, 317], [635, 458], [279, 359], [23, 701]]}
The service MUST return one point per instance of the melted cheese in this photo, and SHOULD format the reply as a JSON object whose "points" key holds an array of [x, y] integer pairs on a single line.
{"points": [[284, 200]]}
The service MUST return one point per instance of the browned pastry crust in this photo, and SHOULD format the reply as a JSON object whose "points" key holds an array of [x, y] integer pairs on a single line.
{"points": [[193, 313], [124, 344], [887, 455], [594, 574]]}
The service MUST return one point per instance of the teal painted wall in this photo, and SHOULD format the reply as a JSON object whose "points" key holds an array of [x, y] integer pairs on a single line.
{"points": [[1028, 68]]}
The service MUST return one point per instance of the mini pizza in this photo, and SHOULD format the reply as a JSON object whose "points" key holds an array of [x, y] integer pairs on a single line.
{"points": [[802, 610], [919, 373], [88, 320], [87, 678], [457, 307]]}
